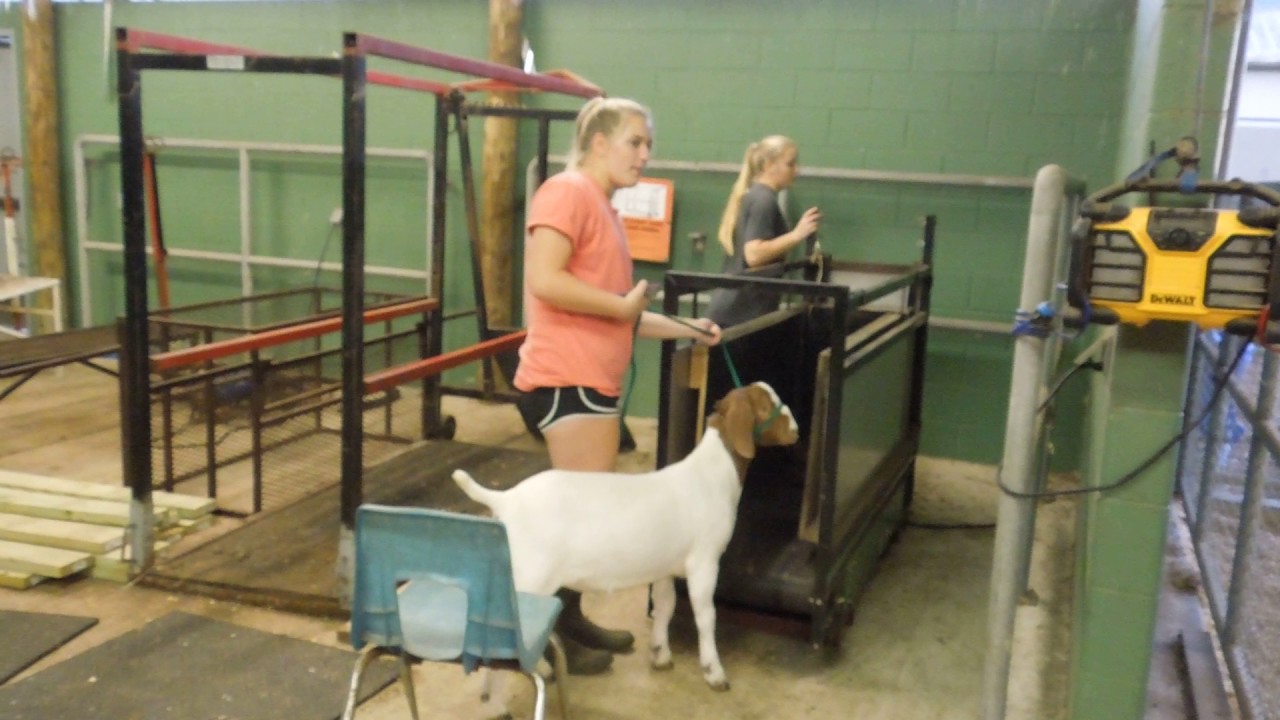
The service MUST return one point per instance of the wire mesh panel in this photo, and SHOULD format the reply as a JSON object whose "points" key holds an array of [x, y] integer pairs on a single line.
{"points": [[1227, 465], [1230, 482], [1257, 613], [261, 428]]}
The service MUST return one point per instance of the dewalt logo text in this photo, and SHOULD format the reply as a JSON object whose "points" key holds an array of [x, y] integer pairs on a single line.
{"points": [[1167, 299]]}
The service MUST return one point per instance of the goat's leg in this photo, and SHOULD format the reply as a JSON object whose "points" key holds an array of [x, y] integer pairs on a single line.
{"points": [[664, 606], [702, 590], [493, 695]]}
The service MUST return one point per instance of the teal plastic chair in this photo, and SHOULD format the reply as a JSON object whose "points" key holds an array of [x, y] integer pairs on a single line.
{"points": [[436, 586]]}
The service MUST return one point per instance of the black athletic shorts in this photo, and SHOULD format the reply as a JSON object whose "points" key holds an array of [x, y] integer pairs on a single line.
{"points": [[543, 407]]}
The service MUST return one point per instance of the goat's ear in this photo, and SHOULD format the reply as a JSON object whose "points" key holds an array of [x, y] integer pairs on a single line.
{"points": [[740, 423]]}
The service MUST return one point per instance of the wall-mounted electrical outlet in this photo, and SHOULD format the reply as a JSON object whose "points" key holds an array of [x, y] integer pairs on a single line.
{"points": [[335, 217], [699, 240]]}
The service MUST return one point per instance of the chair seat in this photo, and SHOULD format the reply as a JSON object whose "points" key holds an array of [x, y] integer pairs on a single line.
{"points": [[433, 617], [433, 622]]}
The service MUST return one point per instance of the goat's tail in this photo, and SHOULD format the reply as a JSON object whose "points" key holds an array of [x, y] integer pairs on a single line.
{"points": [[475, 490]]}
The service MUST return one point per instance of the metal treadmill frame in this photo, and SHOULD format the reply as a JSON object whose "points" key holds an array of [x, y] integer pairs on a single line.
{"points": [[859, 509]]}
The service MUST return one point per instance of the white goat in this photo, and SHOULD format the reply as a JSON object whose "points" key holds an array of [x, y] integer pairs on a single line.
{"points": [[607, 531]]}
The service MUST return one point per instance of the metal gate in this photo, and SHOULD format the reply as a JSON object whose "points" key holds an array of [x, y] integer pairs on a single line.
{"points": [[1229, 475]]}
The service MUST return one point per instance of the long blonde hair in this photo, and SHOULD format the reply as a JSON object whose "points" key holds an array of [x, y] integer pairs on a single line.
{"points": [[601, 115], [754, 160]]}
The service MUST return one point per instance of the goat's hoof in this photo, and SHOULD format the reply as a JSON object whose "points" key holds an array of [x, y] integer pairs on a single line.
{"points": [[660, 658], [716, 680]]}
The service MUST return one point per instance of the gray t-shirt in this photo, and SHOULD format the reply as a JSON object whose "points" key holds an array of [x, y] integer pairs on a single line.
{"points": [[759, 218]]}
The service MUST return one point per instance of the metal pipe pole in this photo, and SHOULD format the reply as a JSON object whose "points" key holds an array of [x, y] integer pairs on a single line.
{"points": [[245, 258], [1071, 185], [135, 403], [354, 87], [1015, 520]]}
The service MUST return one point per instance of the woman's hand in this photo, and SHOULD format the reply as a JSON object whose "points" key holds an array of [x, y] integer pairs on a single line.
{"points": [[635, 301], [710, 334], [809, 222]]}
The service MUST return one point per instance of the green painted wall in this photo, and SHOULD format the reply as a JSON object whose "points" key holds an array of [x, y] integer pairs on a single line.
{"points": [[1137, 406], [969, 87]]}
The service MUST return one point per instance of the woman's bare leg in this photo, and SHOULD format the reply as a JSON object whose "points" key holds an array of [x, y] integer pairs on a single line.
{"points": [[584, 442]]}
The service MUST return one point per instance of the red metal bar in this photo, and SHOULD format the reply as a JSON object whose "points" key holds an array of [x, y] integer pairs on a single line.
{"points": [[487, 85], [279, 336], [142, 39], [431, 58], [407, 83], [426, 367], [159, 254], [139, 39]]}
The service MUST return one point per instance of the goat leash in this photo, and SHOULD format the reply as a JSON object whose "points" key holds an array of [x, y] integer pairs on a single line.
{"points": [[733, 373], [728, 360]]}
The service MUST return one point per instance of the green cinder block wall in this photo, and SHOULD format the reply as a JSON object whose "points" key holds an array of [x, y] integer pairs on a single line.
{"points": [[966, 88], [1121, 538]]}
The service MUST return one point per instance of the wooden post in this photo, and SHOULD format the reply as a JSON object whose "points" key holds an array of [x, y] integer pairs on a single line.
{"points": [[41, 158], [497, 213]]}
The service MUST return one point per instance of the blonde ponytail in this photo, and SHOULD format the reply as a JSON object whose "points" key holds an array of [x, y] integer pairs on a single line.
{"points": [[758, 155]]}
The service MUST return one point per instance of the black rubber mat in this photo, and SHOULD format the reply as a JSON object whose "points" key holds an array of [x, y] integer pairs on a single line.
{"points": [[30, 636], [189, 667]]}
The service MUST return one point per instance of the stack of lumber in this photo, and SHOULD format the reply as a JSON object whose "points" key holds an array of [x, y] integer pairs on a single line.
{"points": [[55, 528]]}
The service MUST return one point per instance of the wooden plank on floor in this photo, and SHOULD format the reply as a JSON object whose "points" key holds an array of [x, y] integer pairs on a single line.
{"points": [[64, 507], [115, 566], [1208, 691], [85, 537], [46, 561], [18, 580], [110, 567], [186, 506]]}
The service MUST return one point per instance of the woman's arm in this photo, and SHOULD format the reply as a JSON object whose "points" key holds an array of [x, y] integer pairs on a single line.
{"points": [[661, 327], [762, 252], [546, 276]]}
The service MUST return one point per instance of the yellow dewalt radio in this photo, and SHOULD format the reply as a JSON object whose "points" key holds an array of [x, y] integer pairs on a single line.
{"points": [[1216, 268]]}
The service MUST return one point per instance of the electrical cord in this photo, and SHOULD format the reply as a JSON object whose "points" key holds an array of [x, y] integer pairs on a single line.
{"points": [[1145, 464], [1089, 364]]}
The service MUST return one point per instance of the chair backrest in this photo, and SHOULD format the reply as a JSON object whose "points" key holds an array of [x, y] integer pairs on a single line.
{"points": [[397, 544]]}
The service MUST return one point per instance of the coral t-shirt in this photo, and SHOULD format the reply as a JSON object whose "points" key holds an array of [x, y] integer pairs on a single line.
{"points": [[565, 348]]}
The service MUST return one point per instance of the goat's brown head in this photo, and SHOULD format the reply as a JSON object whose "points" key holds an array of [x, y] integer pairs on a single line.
{"points": [[754, 416]]}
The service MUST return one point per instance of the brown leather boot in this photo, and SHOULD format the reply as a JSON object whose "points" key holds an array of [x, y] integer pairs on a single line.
{"points": [[573, 625]]}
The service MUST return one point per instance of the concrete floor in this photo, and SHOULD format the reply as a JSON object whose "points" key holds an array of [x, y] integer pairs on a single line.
{"points": [[914, 652]]}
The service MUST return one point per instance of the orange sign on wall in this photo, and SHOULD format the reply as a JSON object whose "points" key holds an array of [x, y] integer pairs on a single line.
{"points": [[645, 209]]}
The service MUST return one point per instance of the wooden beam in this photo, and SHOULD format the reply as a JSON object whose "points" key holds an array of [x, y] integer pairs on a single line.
{"points": [[185, 506], [18, 580], [116, 566], [497, 211], [41, 159], [63, 507], [46, 561], [85, 537]]}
